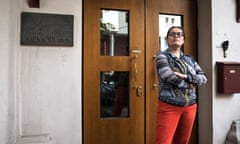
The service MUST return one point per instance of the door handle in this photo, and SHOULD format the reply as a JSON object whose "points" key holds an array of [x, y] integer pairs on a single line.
{"points": [[154, 57], [135, 57], [139, 91], [135, 71], [154, 83]]}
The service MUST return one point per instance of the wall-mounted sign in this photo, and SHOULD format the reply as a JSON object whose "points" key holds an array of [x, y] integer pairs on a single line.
{"points": [[46, 29]]}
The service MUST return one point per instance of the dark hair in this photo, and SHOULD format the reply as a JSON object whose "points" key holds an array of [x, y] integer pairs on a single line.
{"points": [[178, 27]]}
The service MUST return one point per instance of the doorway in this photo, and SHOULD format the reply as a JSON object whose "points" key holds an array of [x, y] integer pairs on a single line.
{"points": [[120, 90]]}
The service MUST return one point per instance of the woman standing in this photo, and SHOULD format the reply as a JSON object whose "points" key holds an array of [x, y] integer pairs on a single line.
{"points": [[178, 76]]}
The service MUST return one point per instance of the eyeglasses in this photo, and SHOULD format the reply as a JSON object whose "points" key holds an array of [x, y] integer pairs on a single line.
{"points": [[178, 34]]}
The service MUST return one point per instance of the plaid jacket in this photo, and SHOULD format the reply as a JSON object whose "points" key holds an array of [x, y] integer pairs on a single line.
{"points": [[172, 89]]}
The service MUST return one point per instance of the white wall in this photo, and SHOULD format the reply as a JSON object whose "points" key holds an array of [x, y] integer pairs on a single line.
{"points": [[225, 107], [7, 74], [49, 80]]}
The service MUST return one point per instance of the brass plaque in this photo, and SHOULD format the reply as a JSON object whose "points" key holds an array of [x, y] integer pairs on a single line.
{"points": [[46, 29]]}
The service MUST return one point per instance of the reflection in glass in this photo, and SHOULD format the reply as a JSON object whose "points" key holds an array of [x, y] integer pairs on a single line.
{"points": [[114, 94], [114, 33], [165, 22]]}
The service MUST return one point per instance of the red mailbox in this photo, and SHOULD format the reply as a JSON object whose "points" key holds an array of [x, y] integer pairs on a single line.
{"points": [[228, 77]]}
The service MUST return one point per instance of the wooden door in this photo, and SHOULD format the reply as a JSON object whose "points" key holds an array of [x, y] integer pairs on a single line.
{"points": [[111, 57], [185, 10], [114, 92]]}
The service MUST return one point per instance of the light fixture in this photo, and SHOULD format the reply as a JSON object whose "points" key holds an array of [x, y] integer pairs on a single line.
{"points": [[225, 45]]}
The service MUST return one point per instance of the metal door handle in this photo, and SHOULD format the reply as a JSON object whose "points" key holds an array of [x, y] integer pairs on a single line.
{"points": [[154, 57], [139, 91], [135, 71], [154, 84]]}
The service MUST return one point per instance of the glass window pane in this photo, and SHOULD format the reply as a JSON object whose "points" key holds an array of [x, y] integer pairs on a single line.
{"points": [[114, 33], [114, 94], [165, 22]]}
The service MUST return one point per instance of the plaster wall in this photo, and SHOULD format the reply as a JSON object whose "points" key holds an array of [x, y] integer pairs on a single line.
{"points": [[7, 74], [49, 80], [225, 107]]}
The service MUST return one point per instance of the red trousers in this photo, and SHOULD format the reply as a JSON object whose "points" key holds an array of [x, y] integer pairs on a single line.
{"points": [[174, 124]]}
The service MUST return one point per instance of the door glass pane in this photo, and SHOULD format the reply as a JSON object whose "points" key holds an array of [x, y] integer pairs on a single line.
{"points": [[165, 22], [114, 33], [114, 94]]}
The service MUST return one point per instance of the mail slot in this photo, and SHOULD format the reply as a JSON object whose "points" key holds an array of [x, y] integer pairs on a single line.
{"points": [[228, 77]]}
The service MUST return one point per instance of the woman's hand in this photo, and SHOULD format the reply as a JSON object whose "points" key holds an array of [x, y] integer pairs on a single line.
{"points": [[180, 75], [192, 86]]}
